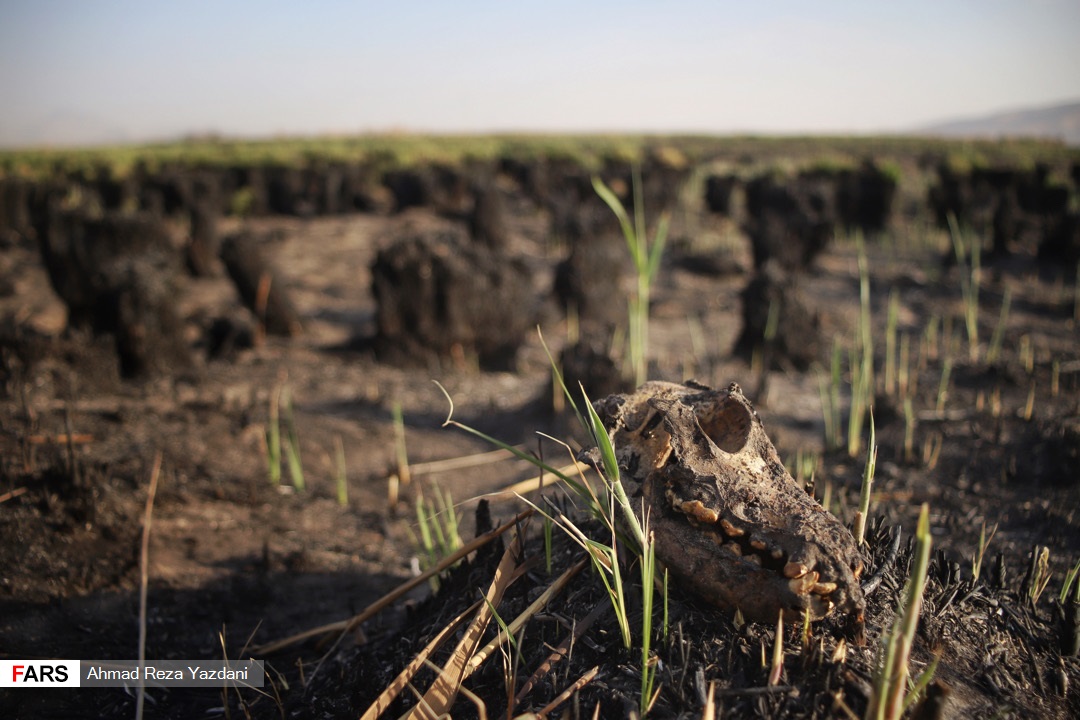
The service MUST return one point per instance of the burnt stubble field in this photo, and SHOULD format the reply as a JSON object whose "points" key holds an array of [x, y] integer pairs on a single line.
{"points": [[185, 308]]}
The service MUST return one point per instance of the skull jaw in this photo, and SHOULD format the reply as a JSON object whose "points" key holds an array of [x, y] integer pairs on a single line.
{"points": [[697, 558]]}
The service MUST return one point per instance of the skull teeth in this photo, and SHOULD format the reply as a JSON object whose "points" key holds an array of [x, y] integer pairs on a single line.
{"points": [[697, 510], [802, 585], [795, 570], [821, 606], [730, 529]]}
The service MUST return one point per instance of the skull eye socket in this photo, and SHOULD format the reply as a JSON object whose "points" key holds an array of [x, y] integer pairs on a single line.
{"points": [[651, 424], [727, 423]]}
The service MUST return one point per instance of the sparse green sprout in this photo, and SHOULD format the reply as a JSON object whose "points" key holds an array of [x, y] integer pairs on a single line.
{"points": [[969, 281], [648, 663], [273, 437], [909, 430], [1072, 582], [806, 629], [400, 450], [803, 466], [437, 523], [665, 603], [918, 688], [776, 668], [829, 389], [772, 322], [1038, 574], [605, 559], [861, 358], [827, 498], [867, 485], [890, 693], [1027, 353], [604, 556], [931, 450], [980, 553], [292, 443], [929, 346], [646, 256], [890, 341], [340, 479], [611, 471], [904, 382]]}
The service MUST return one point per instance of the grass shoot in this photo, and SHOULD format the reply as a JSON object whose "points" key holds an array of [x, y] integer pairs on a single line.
{"points": [[861, 358], [890, 692], [866, 489], [437, 523], [1071, 584], [273, 437], [617, 514], [401, 453], [890, 342], [646, 255], [980, 553], [340, 479], [967, 249], [1038, 576], [292, 442]]}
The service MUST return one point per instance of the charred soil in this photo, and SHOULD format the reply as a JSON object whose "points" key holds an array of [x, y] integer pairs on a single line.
{"points": [[236, 562]]}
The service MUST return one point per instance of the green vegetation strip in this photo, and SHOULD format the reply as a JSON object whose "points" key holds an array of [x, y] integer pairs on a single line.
{"points": [[385, 151]]}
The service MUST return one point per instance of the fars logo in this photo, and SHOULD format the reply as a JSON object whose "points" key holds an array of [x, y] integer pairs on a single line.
{"points": [[39, 673]]}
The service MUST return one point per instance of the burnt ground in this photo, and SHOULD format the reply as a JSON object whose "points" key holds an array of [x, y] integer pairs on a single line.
{"points": [[236, 562]]}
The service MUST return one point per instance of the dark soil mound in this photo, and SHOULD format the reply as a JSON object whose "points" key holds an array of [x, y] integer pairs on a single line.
{"points": [[440, 298], [117, 276]]}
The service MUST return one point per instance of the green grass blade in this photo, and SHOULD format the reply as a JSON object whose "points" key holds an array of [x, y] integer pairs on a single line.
{"points": [[577, 487], [657, 249], [867, 486], [919, 686], [562, 382], [611, 470], [273, 438], [639, 205], [340, 476], [616, 206]]}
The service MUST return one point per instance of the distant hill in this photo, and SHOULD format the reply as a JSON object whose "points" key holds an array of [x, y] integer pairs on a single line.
{"points": [[1060, 122]]}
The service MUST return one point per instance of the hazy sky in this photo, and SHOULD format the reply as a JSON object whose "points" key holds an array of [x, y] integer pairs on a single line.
{"points": [[88, 71]]}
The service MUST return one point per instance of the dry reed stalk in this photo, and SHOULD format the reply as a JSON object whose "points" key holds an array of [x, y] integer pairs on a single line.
{"points": [[144, 578], [563, 648], [569, 692], [545, 597], [399, 683], [460, 463], [544, 480], [347, 626], [442, 694], [12, 494]]}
